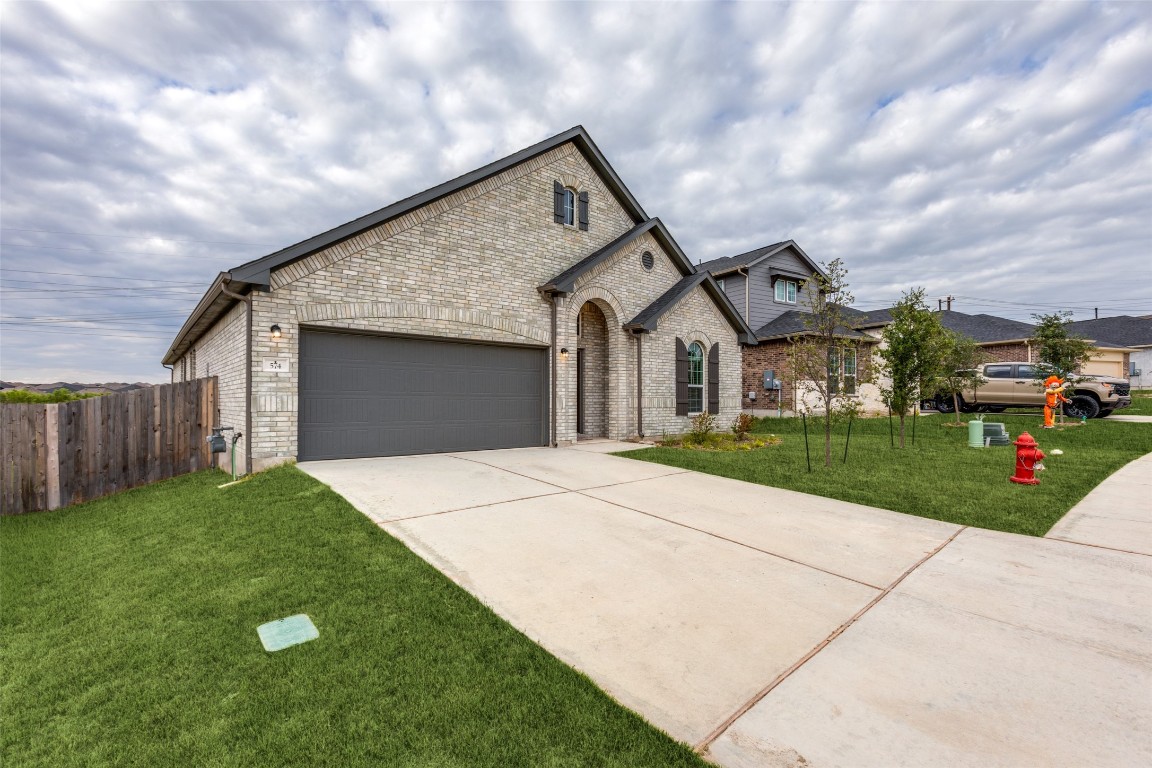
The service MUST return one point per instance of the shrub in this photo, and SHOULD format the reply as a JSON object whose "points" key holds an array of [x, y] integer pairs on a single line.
{"points": [[742, 425], [61, 395], [702, 425]]}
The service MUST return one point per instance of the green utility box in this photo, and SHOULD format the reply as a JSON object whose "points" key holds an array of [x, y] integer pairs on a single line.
{"points": [[976, 434]]}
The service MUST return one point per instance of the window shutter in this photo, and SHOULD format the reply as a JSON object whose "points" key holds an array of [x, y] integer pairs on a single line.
{"points": [[558, 202], [584, 211], [714, 379], [681, 378]]}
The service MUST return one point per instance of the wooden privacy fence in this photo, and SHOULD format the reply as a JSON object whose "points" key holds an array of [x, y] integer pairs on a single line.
{"points": [[56, 454]]}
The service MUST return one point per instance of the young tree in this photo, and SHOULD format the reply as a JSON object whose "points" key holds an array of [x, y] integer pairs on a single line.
{"points": [[959, 367], [911, 355], [1060, 354], [812, 354]]}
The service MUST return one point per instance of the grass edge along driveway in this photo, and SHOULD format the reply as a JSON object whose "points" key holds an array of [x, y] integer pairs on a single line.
{"points": [[129, 638], [939, 477]]}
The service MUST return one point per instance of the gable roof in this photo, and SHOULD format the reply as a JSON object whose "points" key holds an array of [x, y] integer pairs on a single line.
{"points": [[718, 267], [649, 317], [257, 273], [1123, 330], [565, 282], [794, 323]]}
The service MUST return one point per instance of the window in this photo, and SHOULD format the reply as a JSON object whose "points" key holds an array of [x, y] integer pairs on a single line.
{"points": [[1028, 372], [569, 207], [998, 372], [720, 283], [786, 291], [842, 370], [695, 378]]}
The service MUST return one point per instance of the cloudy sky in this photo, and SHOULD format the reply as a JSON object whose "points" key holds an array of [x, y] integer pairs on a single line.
{"points": [[995, 152]]}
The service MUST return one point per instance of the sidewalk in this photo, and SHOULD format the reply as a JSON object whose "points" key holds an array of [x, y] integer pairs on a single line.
{"points": [[1117, 514]]}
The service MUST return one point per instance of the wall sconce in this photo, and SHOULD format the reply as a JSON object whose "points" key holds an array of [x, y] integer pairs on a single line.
{"points": [[564, 353], [276, 333]]}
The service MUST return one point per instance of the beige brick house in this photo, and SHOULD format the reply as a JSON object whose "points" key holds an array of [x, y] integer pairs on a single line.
{"points": [[530, 302]]}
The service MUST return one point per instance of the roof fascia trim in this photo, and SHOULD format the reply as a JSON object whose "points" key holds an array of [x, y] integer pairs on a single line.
{"points": [[215, 291]]}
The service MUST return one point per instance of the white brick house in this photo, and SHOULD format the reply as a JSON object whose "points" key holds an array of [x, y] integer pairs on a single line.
{"points": [[529, 302]]}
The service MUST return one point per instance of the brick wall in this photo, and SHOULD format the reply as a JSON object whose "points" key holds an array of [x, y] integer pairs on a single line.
{"points": [[1007, 353], [592, 340], [467, 267], [220, 353]]}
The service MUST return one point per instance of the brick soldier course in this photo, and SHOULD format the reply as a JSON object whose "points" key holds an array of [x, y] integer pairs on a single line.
{"points": [[484, 258]]}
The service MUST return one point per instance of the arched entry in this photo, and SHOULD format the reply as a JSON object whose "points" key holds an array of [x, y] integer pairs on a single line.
{"points": [[591, 372]]}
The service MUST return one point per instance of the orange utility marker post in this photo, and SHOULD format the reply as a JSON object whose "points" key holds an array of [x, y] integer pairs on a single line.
{"points": [[1028, 460]]}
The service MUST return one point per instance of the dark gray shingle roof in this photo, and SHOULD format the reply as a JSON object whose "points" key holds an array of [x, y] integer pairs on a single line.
{"points": [[794, 323], [729, 263], [1121, 331]]}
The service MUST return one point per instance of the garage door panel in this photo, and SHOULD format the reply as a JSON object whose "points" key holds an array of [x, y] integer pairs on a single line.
{"points": [[380, 396]]}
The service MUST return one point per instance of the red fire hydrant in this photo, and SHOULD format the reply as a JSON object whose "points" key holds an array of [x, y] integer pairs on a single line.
{"points": [[1028, 458]]}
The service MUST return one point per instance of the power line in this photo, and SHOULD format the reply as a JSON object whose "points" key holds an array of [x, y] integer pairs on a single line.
{"points": [[132, 237], [84, 333], [104, 277], [93, 250]]}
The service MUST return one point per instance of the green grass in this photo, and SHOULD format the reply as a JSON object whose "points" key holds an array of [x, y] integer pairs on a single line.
{"points": [[939, 477], [129, 639], [1141, 404]]}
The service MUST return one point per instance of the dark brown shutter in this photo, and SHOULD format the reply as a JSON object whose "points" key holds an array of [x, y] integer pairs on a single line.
{"points": [[714, 379], [681, 378], [584, 211], [558, 202]]}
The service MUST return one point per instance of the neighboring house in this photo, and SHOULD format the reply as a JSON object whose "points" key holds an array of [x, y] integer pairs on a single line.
{"points": [[1005, 340], [527, 303], [770, 286], [1134, 333]]}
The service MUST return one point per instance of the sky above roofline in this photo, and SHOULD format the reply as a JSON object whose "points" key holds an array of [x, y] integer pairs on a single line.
{"points": [[994, 152]]}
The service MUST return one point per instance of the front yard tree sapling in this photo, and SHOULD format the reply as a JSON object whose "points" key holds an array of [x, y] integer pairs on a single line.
{"points": [[911, 356]]}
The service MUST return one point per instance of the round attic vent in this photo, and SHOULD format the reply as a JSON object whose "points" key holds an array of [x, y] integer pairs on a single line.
{"points": [[647, 260]]}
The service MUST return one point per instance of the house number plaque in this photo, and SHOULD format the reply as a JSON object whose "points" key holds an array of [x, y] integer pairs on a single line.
{"points": [[276, 365]]}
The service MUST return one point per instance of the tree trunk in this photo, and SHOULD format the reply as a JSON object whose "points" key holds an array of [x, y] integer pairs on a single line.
{"points": [[901, 429], [956, 407]]}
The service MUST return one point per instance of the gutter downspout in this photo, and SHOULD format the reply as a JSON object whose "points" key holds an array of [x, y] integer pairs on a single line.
{"points": [[744, 271], [555, 354], [171, 372], [248, 374], [639, 384]]}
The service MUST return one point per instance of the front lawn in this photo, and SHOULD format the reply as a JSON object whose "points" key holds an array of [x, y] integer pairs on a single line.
{"points": [[128, 637], [939, 477], [1141, 404]]}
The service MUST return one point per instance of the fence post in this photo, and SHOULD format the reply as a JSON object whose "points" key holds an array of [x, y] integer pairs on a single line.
{"points": [[52, 437]]}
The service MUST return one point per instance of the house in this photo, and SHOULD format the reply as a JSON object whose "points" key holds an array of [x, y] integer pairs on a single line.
{"points": [[529, 302], [770, 286], [1004, 340], [1135, 336]]}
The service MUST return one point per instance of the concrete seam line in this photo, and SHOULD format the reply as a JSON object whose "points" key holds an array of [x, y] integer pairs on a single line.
{"points": [[477, 506], [724, 538], [719, 730], [509, 471], [1096, 546]]}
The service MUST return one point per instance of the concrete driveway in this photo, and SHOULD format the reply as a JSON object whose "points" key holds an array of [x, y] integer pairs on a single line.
{"points": [[768, 627]]}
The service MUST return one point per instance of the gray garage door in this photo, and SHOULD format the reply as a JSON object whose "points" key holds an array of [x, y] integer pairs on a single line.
{"points": [[385, 396]]}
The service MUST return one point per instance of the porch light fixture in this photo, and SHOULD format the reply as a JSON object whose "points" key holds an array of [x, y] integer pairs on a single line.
{"points": [[276, 333], [564, 353]]}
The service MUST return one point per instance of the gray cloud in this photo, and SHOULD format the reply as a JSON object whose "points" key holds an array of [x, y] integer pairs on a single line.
{"points": [[997, 152]]}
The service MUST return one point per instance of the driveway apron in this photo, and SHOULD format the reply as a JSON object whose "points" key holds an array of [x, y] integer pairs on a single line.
{"points": [[768, 627]]}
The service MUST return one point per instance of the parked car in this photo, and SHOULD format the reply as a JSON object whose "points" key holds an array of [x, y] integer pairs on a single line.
{"points": [[1021, 385]]}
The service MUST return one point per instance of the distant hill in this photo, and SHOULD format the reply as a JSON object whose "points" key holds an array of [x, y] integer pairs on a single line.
{"points": [[83, 389]]}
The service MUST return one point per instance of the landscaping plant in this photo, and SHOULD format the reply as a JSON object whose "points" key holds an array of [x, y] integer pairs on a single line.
{"points": [[811, 354], [911, 356]]}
